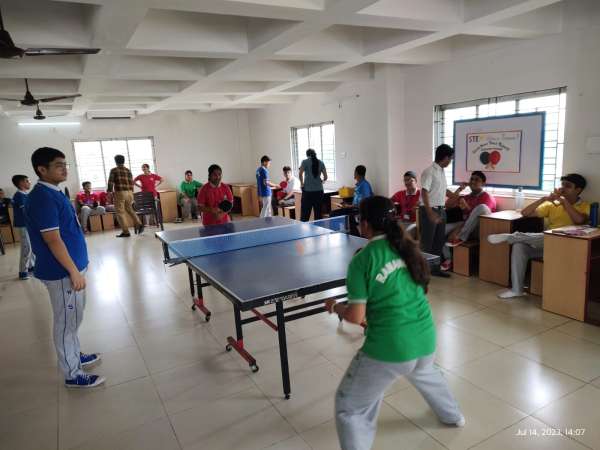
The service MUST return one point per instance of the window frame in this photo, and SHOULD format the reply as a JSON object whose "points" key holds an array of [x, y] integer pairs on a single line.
{"points": [[331, 174], [128, 158], [439, 133]]}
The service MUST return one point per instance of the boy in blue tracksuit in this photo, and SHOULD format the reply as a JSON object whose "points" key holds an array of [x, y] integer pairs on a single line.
{"points": [[62, 260], [26, 260]]}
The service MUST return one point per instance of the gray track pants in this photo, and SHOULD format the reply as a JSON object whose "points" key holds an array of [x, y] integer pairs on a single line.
{"points": [[27, 258], [525, 246], [360, 393], [470, 227], [67, 306]]}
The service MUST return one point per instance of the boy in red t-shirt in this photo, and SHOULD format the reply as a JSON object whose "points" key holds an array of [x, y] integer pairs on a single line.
{"points": [[407, 201], [148, 182], [211, 195], [474, 204]]}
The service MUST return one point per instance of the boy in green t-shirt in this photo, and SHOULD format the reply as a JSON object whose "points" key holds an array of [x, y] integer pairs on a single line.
{"points": [[188, 191], [386, 283]]}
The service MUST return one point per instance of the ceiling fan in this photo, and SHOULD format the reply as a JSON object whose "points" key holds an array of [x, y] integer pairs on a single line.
{"points": [[30, 100], [8, 49], [39, 115]]}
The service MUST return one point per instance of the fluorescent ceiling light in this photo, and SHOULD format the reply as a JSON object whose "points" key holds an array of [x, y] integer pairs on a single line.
{"points": [[48, 124]]}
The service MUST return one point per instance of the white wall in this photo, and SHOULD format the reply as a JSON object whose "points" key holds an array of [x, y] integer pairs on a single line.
{"points": [[360, 130], [571, 58], [182, 139]]}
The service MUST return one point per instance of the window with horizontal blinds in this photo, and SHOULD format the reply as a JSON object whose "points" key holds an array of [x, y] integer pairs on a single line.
{"points": [[321, 138], [95, 158], [552, 101]]}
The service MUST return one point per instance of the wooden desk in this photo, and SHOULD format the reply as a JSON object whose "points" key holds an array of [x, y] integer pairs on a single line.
{"points": [[337, 201], [248, 196], [572, 276], [326, 202], [168, 204], [494, 260]]}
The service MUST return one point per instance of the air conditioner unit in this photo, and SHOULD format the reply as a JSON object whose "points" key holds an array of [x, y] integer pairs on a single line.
{"points": [[104, 115]]}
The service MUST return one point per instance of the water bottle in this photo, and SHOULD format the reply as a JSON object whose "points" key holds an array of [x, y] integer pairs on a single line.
{"points": [[594, 214], [519, 199]]}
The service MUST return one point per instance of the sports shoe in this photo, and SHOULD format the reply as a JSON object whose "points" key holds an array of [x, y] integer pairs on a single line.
{"points": [[178, 220], [454, 243], [508, 294], [124, 235], [23, 275], [461, 422], [31, 269], [498, 238], [85, 381], [446, 265], [140, 229], [440, 273], [88, 360]]}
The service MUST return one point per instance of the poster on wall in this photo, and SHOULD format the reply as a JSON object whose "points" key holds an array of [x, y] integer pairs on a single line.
{"points": [[508, 149]]}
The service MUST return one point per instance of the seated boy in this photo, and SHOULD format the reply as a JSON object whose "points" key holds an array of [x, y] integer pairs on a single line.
{"points": [[561, 208], [188, 191], [291, 184], [88, 204], [362, 188], [473, 205], [407, 202]]}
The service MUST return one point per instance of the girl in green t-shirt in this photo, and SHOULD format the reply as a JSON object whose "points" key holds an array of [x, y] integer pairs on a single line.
{"points": [[386, 284]]}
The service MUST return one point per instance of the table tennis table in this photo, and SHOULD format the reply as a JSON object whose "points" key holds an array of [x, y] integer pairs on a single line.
{"points": [[263, 261]]}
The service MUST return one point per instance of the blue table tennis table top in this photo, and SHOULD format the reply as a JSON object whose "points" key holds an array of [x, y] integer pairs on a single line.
{"points": [[260, 261]]}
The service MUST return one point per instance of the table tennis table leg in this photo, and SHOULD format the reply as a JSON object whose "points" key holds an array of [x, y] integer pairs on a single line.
{"points": [[238, 344], [285, 370], [198, 300]]}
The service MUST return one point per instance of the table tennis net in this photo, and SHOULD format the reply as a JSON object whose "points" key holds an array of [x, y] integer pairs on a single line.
{"points": [[191, 248]]}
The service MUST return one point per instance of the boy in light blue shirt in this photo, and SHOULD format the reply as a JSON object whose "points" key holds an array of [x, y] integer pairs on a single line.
{"points": [[362, 188], [62, 259], [27, 258]]}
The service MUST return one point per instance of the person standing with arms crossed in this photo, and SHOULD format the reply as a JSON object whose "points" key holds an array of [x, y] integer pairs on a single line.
{"points": [[432, 213], [311, 182], [386, 283], [120, 182], [62, 260]]}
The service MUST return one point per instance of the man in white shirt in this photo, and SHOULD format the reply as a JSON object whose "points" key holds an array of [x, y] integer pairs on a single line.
{"points": [[432, 213], [292, 184]]}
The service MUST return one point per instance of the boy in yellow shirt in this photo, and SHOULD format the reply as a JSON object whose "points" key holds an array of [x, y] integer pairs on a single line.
{"points": [[561, 208]]}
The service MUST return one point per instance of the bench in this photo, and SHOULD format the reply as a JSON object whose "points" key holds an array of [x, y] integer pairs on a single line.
{"points": [[536, 282], [287, 211], [465, 259]]}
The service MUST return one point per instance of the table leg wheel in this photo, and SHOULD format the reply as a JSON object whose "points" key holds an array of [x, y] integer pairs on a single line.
{"points": [[287, 396], [228, 348], [207, 317], [340, 317], [193, 307], [254, 368]]}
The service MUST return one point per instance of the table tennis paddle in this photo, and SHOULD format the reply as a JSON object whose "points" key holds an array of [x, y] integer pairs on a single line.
{"points": [[225, 206]]}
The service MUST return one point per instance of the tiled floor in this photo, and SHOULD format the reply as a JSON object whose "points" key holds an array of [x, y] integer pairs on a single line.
{"points": [[518, 372]]}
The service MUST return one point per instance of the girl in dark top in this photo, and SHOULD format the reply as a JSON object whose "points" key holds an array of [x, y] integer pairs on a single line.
{"points": [[311, 171]]}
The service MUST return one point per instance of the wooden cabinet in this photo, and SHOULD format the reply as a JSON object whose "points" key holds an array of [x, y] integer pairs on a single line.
{"points": [[168, 204], [571, 282], [494, 259], [248, 197]]}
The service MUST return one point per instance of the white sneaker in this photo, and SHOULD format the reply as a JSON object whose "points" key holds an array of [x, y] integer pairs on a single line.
{"points": [[498, 238], [461, 423], [508, 294]]}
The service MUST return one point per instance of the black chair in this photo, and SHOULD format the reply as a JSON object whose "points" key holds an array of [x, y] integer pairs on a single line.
{"points": [[2, 251], [145, 204]]}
